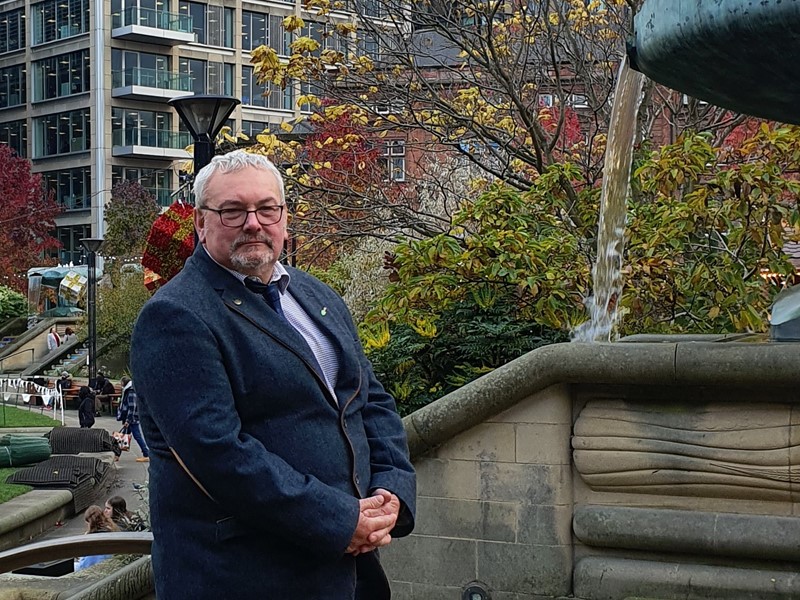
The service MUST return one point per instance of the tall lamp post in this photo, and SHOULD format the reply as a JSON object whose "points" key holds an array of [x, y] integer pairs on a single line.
{"points": [[204, 115], [92, 245]]}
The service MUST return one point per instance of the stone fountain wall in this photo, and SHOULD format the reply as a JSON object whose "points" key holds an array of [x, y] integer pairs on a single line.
{"points": [[659, 479]]}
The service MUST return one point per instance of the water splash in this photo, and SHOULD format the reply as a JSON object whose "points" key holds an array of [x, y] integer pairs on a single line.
{"points": [[607, 271]]}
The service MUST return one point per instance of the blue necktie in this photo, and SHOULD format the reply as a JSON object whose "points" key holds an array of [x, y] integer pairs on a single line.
{"points": [[270, 293]]}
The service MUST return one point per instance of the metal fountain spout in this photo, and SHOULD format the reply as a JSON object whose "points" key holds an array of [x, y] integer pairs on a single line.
{"points": [[737, 54]]}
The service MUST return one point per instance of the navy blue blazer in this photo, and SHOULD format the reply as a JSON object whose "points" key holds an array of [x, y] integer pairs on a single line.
{"points": [[255, 468]]}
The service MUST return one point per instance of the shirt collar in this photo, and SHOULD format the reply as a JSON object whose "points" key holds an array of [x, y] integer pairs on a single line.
{"points": [[280, 276]]}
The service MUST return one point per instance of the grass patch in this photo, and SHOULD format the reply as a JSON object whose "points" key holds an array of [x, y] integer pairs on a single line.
{"points": [[8, 490], [22, 417], [11, 416]]}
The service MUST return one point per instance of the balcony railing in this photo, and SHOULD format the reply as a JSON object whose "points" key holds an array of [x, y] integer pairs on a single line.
{"points": [[153, 78], [154, 138], [149, 17]]}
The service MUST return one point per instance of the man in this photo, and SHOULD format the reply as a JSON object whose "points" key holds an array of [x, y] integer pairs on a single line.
{"points": [[103, 390], [64, 383], [129, 415], [278, 464]]}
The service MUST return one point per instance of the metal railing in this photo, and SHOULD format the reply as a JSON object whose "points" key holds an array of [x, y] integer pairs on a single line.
{"points": [[76, 545], [149, 17], [153, 78], [154, 138]]}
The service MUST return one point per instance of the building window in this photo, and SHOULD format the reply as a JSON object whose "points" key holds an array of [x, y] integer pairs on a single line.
{"points": [[140, 68], [368, 46], [59, 19], [260, 29], [252, 128], [131, 127], [367, 8], [254, 30], [12, 30], [213, 25], [207, 77], [12, 86], [156, 181], [279, 38], [60, 76], [71, 187], [15, 135], [70, 238], [253, 93], [394, 160], [61, 133]]}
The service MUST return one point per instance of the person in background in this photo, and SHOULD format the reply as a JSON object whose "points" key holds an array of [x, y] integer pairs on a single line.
{"points": [[117, 510], [64, 382], [129, 415], [103, 390], [85, 407], [69, 335], [96, 522], [278, 463], [53, 340]]}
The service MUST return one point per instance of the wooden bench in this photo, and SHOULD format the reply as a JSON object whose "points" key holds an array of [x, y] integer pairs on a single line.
{"points": [[71, 399]]}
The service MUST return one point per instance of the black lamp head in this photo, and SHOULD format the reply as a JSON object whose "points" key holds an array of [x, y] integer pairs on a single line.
{"points": [[204, 114]]}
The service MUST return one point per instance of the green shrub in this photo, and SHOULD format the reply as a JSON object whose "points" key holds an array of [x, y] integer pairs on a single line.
{"points": [[470, 342], [12, 304]]}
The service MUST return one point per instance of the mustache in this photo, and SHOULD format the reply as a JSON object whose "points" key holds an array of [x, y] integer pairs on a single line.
{"points": [[249, 239]]}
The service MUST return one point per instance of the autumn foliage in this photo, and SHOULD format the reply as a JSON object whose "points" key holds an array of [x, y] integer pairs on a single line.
{"points": [[27, 217]]}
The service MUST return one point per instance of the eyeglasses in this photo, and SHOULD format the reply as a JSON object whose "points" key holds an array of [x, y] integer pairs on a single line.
{"points": [[236, 217]]}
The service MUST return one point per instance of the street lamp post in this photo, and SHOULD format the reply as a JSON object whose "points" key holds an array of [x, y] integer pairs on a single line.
{"points": [[92, 245], [204, 115]]}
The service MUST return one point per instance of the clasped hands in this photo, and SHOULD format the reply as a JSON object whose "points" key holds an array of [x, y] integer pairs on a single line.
{"points": [[376, 518]]}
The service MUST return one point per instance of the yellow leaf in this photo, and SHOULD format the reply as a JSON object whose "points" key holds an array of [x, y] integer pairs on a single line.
{"points": [[293, 22]]}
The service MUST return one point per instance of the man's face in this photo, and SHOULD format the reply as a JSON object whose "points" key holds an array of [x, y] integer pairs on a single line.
{"points": [[252, 249]]}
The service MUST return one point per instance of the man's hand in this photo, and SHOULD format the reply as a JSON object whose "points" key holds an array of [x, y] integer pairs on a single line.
{"points": [[377, 517]]}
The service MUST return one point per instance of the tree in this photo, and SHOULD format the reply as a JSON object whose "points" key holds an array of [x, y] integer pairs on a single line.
{"points": [[710, 222], [119, 304], [27, 218], [12, 304], [511, 87], [129, 216]]}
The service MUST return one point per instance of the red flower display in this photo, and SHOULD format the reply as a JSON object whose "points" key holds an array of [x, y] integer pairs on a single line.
{"points": [[169, 244]]}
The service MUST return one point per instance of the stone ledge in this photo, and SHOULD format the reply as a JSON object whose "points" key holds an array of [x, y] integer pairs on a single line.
{"points": [[726, 365], [690, 532], [614, 578]]}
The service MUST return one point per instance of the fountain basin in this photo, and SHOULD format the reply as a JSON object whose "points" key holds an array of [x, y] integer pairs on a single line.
{"points": [[738, 54]]}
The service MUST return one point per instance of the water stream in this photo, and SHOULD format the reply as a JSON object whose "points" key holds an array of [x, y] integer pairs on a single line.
{"points": [[607, 277]]}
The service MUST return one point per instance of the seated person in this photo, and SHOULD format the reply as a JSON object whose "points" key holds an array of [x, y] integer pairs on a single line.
{"points": [[96, 522], [64, 382], [117, 510], [103, 389]]}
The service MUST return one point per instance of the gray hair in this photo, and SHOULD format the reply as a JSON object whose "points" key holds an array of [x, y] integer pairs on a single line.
{"points": [[229, 163]]}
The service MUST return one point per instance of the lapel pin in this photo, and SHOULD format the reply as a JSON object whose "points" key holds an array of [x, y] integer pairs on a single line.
{"points": [[324, 311], [237, 302]]}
